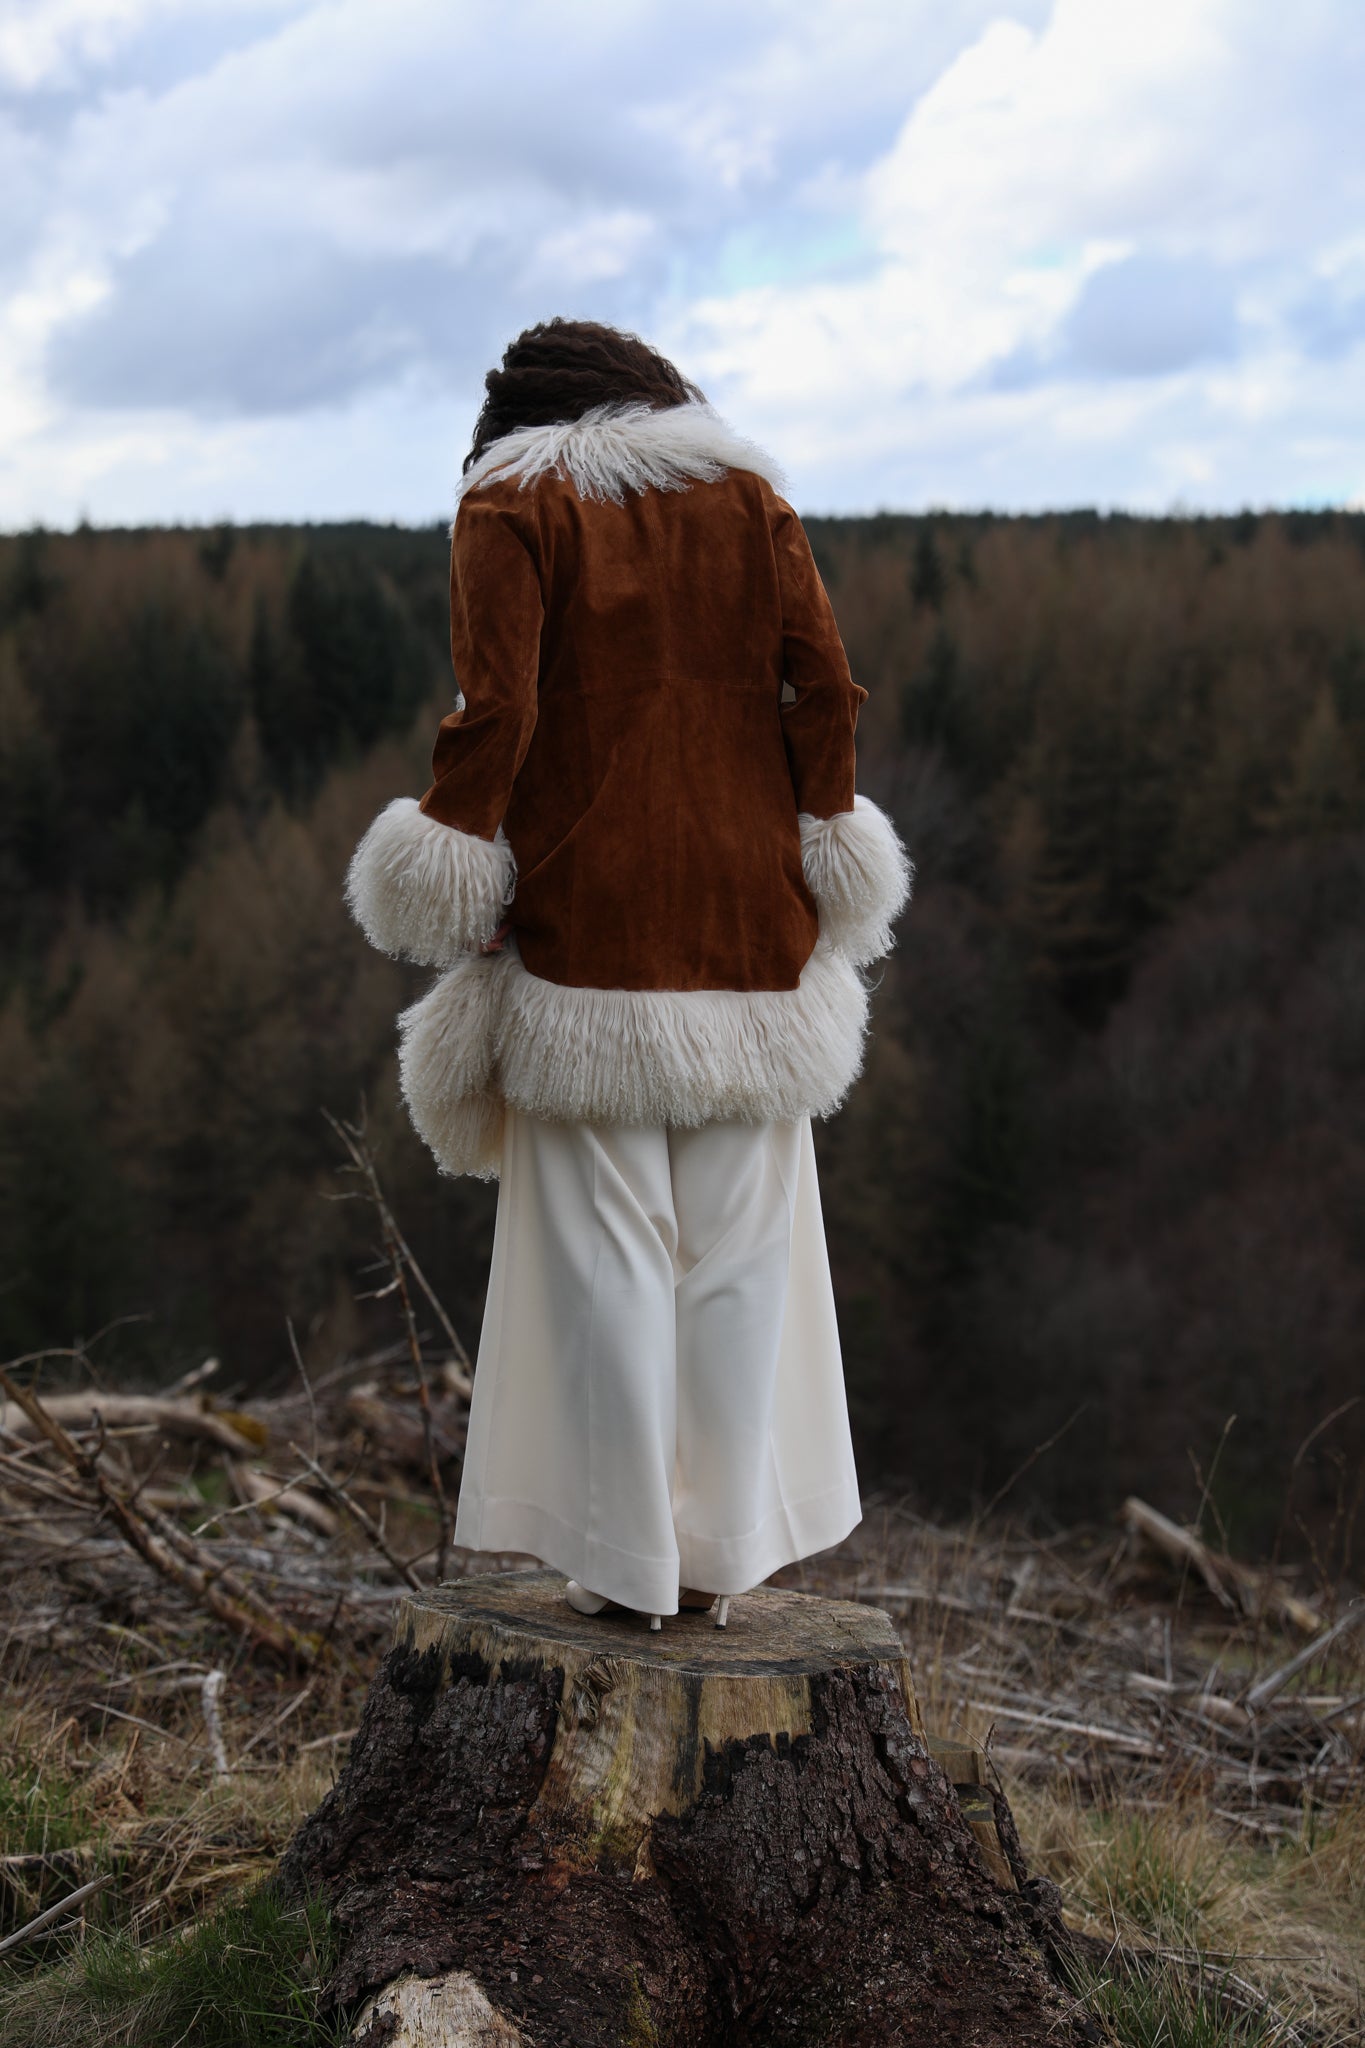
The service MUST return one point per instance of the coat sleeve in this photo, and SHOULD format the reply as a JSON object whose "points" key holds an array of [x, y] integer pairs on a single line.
{"points": [[431, 880], [855, 865]]}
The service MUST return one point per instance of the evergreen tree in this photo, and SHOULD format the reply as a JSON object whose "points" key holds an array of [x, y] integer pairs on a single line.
{"points": [[934, 704], [366, 669], [928, 578], [1322, 790]]}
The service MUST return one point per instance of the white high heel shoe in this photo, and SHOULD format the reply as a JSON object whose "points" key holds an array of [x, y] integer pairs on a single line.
{"points": [[585, 1602], [721, 1601]]}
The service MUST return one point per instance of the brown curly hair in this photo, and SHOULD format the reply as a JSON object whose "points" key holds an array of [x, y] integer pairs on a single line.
{"points": [[560, 369]]}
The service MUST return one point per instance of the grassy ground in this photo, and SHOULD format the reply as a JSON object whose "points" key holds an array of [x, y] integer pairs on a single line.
{"points": [[1228, 1851], [247, 1975]]}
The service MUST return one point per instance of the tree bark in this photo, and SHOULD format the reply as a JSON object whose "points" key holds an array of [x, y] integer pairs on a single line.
{"points": [[556, 1829]]}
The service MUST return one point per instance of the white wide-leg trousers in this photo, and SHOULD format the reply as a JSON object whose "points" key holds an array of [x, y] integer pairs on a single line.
{"points": [[659, 1395]]}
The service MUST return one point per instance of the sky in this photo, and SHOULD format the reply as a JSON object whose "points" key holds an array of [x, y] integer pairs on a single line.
{"points": [[256, 255]]}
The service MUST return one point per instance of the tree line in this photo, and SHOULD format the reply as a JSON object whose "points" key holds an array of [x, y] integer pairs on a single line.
{"points": [[1105, 1172]]}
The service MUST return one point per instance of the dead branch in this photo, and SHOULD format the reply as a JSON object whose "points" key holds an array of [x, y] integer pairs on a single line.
{"points": [[231, 1433], [400, 1260], [286, 1495], [195, 1377], [60, 1911], [210, 1690], [1234, 1585], [166, 1547], [361, 1517], [1266, 1690], [277, 1721]]}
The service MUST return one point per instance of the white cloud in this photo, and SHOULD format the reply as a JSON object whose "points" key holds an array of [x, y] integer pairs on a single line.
{"points": [[1008, 252], [47, 42], [1128, 192]]}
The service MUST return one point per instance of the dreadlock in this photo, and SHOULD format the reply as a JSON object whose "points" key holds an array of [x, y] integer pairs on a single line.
{"points": [[560, 369]]}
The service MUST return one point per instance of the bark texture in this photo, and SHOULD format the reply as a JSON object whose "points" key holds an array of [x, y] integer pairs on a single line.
{"points": [[558, 1830]]}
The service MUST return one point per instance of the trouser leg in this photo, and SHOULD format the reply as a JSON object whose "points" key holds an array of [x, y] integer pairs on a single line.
{"points": [[733, 1192], [619, 1346], [572, 1437]]}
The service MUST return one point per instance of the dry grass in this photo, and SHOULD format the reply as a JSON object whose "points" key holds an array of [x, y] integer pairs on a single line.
{"points": [[82, 1794], [1198, 1797], [1243, 1879], [1228, 1847]]}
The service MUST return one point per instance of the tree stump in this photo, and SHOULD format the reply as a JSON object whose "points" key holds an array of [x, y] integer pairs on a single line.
{"points": [[557, 1829]]}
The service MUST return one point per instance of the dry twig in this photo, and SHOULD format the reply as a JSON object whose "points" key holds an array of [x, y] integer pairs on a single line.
{"points": [[61, 1911], [361, 1517], [165, 1546], [401, 1261]]}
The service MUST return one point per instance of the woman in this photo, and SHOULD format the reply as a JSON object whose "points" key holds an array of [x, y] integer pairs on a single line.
{"points": [[642, 863]]}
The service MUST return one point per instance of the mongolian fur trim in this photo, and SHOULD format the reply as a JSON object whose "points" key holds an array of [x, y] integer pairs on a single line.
{"points": [[615, 449], [445, 1066], [425, 890], [490, 1032], [647, 1056], [860, 876]]}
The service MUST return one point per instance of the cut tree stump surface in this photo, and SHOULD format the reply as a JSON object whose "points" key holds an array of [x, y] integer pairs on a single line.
{"points": [[558, 1831]]}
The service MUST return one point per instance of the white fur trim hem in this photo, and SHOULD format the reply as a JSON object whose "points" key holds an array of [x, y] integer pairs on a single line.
{"points": [[489, 1032], [615, 449], [424, 890], [860, 876]]}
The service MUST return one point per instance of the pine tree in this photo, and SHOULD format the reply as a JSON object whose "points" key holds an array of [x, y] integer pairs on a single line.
{"points": [[928, 578], [1322, 790]]}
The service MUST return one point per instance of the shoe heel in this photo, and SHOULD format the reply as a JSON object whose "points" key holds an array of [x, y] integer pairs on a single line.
{"points": [[723, 1610], [655, 1621]]}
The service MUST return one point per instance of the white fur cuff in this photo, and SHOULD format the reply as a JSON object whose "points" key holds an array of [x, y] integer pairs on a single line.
{"points": [[860, 876], [425, 890]]}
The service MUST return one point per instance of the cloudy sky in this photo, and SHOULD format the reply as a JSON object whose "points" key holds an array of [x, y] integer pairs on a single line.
{"points": [[255, 255]]}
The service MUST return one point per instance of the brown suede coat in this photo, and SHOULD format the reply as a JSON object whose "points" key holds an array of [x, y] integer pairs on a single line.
{"points": [[623, 669]]}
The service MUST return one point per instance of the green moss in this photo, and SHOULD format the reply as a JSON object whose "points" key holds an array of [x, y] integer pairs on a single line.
{"points": [[639, 2030]]}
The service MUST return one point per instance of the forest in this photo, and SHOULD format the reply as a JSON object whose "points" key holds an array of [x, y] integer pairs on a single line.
{"points": [[1097, 1206]]}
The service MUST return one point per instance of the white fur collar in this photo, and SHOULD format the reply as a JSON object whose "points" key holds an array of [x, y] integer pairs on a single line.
{"points": [[615, 449]]}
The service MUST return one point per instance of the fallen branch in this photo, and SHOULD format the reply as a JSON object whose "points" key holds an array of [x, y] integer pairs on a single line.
{"points": [[60, 1911], [166, 1547], [233, 1433], [1116, 1737], [1234, 1585], [1263, 1692], [210, 1692], [261, 1491], [322, 1741]]}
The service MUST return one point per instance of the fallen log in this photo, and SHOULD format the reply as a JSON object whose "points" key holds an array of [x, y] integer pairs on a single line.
{"points": [[229, 1431], [1233, 1584], [571, 1831]]}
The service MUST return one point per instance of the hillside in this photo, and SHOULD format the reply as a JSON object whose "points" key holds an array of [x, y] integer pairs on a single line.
{"points": [[1106, 1170]]}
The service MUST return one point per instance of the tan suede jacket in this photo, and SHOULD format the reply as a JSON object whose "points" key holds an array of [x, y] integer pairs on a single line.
{"points": [[622, 667], [650, 774]]}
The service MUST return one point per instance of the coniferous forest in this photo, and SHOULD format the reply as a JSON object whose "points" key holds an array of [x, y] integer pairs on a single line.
{"points": [[1104, 1178]]}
